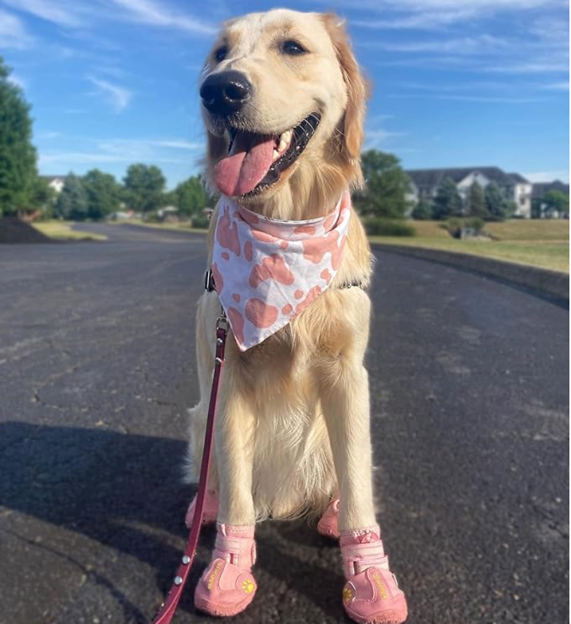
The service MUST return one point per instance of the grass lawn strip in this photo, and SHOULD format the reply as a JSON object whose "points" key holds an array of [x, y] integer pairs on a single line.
{"points": [[61, 230]]}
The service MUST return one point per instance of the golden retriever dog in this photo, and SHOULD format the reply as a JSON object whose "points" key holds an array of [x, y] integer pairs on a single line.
{"points": [[283, 101]]}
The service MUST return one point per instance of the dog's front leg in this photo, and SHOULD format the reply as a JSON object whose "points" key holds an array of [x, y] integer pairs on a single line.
{"points": [[346, 410], [227, 586], [371, 593]]}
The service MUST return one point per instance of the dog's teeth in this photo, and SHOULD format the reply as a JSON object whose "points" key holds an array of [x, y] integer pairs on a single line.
{"points": [[276, 154], [285, 139]]}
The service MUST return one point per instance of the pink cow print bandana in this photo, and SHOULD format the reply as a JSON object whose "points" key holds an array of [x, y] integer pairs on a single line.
{"points": [[268, 271]]}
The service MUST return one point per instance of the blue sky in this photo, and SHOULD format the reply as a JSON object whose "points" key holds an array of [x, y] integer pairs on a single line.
{"points": [[455, 82]]}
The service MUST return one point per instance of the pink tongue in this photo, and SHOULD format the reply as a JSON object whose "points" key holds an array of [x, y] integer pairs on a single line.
{"points": [[246, 165]]}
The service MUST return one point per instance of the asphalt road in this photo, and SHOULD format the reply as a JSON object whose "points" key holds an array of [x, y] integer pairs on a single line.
{"points": [[469, 384]]}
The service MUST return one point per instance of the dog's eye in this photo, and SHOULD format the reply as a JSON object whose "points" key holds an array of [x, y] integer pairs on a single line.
{"points": [[221, 53], [293, 48]]}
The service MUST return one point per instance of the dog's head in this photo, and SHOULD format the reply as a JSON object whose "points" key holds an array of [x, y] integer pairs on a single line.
{"points": [[284, 102]]}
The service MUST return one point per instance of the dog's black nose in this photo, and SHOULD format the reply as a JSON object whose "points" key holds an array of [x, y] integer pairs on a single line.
{"points": [[226, 92]]}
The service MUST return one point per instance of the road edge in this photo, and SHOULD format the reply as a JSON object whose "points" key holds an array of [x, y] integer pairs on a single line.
{"points": [[545, 281]]}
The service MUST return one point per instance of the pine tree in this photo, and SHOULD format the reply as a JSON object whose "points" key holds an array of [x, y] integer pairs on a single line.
{"points": [[422, 211], [496, 202], [447, 202], [72, 201], [17, 154], [476, 203]]}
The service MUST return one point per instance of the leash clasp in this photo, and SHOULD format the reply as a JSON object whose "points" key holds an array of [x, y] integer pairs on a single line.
{"points": [[222, 322]]}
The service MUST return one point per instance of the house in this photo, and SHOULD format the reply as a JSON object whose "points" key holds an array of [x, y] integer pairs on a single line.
{"points": [[55, 182], [540, 189], [425, 183], [168, 214]]}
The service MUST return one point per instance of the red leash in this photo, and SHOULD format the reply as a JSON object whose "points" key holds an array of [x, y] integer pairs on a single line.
{"points": [[167, 610]]}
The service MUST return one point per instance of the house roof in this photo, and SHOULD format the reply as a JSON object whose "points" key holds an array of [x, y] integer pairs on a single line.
{"points": [[541, 188], [519, 179], [431, 178]]}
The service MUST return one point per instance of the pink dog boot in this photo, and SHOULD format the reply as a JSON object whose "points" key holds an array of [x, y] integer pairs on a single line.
{"points": [[210, 513], [371, 594], [328, 525], [227, 586]]}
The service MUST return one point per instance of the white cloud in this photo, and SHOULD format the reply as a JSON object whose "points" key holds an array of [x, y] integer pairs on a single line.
{"points": [[18, 81], [93, 151], [557, 86], [76, 14], [180, 144], [118, 97], [49, 135], [83, 158], [463, 9], [417, 21], [49, 10], [13, 34], [156, 14], [548, 176], [464, 45]]}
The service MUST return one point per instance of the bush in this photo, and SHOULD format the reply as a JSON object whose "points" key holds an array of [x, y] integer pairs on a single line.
{"points": [[456, 224], [152, 217], [387, 227], [422, 211], [200, 221]]}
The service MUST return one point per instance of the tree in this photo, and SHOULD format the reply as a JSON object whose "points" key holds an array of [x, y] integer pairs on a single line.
{"points": [[387, 186], [42, 196], [103, 194], [476, 203], [144, 186], [556, 202], [422, 211], [191, 197], [447, 202], [17, 154], [72, 202], [496, 202]]}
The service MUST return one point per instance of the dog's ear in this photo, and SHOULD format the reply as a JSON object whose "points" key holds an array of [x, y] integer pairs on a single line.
{"points": [[357, 87]]}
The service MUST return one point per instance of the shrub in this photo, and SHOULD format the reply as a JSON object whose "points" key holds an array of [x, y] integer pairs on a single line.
{"points": [[152, 217], [454, 225], [422, 211], [387, 227], [200, 221]]}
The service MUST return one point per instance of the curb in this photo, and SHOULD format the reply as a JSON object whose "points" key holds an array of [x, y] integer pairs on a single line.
{"points": [[545, 281]]}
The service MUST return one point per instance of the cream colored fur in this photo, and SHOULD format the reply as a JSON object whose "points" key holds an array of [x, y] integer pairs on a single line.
{"points": [[292, 425]]}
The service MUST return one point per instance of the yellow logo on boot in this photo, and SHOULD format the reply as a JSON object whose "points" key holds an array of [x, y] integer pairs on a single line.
{"points": [[214, 574], [248, 586], [380, 584]]}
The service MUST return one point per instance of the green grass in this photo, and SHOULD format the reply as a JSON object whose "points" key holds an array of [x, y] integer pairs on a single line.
{"points": [[161, 226], [551, 255], [534, 242], [61, 230]]}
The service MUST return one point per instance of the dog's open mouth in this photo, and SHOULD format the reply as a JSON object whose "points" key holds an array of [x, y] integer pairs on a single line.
{"points": [[256, 161]]}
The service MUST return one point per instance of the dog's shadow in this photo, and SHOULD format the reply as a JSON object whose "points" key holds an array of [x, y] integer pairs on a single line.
{"points": [[125, 491]]}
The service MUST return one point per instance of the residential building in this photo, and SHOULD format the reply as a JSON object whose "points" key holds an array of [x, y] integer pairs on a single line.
{"points": [[540, 189], [425, 183], [55, 182]]}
